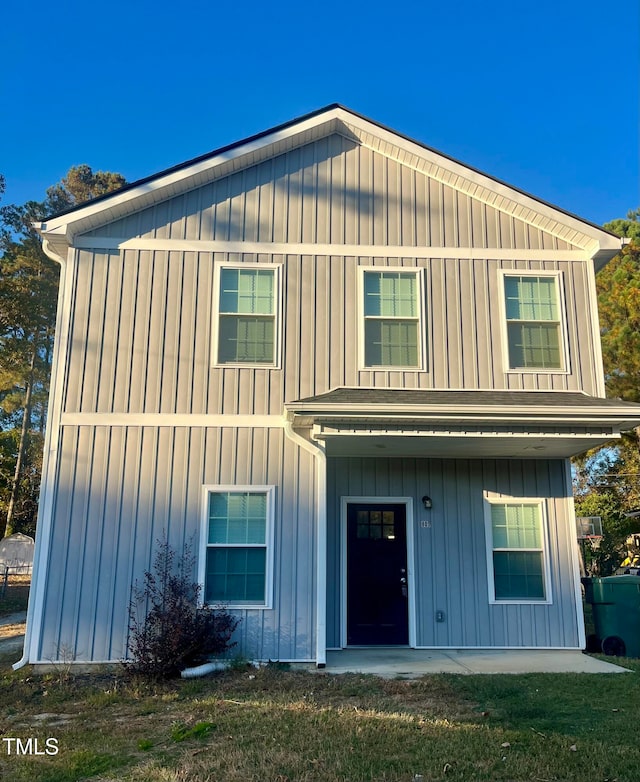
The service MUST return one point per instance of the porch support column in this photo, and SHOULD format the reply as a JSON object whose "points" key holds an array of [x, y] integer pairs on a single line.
{"points": [[317, 450]]}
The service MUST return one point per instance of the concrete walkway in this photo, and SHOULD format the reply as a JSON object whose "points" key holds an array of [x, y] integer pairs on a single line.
{"points": [[392, 663]]}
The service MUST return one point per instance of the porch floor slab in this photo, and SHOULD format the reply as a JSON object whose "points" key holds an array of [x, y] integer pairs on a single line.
{"points": [[393, 662]]}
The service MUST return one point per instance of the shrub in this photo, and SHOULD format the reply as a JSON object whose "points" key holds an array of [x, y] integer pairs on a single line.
{"points": [[167, 630]]}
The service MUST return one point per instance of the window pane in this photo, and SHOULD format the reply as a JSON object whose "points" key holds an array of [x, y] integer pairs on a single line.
{"points": [[534, 345], [391, 343], [518, 575], [247, 339], [531, 298], [235, 575], [247, 291], [237, 517], [516, 526], [392, 294]]}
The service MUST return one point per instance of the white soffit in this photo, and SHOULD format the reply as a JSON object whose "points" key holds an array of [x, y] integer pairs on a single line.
{"points": [[595, 242]]}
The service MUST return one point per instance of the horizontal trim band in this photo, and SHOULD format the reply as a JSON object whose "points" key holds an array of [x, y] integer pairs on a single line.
{"points": [[341, 250], [172, 420]]}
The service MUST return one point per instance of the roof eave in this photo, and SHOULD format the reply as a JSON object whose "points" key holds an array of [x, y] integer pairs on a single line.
{"points": [[599, 244], [617, 418]]}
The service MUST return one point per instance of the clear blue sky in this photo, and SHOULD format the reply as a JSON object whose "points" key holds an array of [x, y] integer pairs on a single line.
{"points": [[543, 95]]}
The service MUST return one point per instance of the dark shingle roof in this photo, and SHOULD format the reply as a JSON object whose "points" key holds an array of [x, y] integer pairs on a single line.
{"points": [[391, 397]]}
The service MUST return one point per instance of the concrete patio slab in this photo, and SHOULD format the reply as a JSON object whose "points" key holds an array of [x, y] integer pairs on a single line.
{"points": [[393, 662]]}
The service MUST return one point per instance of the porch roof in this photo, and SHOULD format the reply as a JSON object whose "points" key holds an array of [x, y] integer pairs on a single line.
{"points": [[475, 424]]}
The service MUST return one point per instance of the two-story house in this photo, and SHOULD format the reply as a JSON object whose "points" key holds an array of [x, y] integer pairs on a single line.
{"points": [[351, 371]]}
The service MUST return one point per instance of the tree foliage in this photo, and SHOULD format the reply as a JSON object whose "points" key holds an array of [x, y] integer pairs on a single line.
{"points": [[619, 306], [28, 302], [604, 488], [607, 481], [79, 185], [629, 228]]}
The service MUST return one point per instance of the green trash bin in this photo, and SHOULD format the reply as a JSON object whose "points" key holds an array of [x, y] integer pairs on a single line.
{"points": [[615, 601]]}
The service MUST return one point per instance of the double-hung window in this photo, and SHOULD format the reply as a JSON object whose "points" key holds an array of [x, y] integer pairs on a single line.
{"points": [[534, 322], [391, 314], [516, 551], [238, 546], [247, 315]]}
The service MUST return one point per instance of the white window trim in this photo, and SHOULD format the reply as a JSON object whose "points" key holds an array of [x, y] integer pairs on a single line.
{"points": [[277, 315], [422, 337], [564, 343], [269, 542], [546, 568]]}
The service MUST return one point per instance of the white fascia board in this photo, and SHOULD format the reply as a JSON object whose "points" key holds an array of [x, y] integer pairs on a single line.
{"points": [[501, 196], [528, 412], [176, 182], [422, 417]]}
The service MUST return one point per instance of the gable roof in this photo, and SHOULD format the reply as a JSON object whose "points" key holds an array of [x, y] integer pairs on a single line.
{"points": [[59, 231]]}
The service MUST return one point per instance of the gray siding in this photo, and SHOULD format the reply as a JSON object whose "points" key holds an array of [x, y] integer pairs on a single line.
{"points": [[140, 341], [332, 191], [141, 332], [450, 556], [122, 489]]}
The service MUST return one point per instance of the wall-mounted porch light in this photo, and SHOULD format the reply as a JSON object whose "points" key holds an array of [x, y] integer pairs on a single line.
{"points": [[426, 501]]}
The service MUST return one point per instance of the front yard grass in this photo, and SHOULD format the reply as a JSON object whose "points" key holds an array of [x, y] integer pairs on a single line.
{"points": [[288, 726]]}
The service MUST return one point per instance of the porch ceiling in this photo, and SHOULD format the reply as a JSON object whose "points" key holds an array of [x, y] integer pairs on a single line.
{"points": [[459, 446]]}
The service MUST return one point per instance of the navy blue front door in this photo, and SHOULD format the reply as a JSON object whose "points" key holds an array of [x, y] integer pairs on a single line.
{"points": [[377, 604]]}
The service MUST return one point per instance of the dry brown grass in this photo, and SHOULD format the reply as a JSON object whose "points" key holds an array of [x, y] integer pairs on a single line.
{"points": [[241, 725], [290, 726]]}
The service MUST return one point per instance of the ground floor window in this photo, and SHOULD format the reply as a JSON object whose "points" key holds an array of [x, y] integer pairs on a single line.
{"points": [[516, 552], [238, 546]]}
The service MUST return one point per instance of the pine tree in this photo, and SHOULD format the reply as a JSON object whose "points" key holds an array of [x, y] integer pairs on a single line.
{"points": [[28, 303]]}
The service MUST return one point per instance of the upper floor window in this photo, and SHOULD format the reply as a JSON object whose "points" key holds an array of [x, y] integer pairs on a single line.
{"points": [[247, 311], [534, 322], [391, 313]]}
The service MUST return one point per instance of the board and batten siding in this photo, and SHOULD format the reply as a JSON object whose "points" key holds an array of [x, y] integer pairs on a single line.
{"points": [[332, 191], [141, 331], [450, 565], [122, 489]]}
